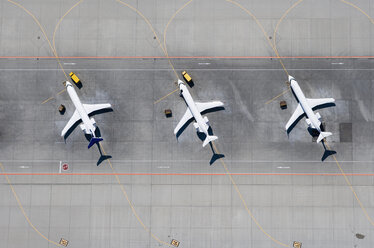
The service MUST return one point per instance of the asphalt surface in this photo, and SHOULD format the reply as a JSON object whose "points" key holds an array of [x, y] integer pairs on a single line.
{"points": [[173, 189]]}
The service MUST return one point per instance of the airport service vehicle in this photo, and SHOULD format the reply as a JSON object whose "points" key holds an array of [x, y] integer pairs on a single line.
{"points": [[194, 110], [186, 77], [81, 114], [74, 77], [306, 106]]}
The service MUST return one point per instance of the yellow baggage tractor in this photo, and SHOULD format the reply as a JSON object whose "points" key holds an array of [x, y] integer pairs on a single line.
{"points": [[75, 78], [186, 77]]}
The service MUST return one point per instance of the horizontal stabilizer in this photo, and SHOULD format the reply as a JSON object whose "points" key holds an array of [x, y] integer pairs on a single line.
{"points": [[323, 135], [93, 141], [209, 139]]}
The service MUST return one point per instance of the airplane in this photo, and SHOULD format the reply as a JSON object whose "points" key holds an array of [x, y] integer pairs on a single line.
{"points": [[306, 106], [194, 110], [81, 114]]}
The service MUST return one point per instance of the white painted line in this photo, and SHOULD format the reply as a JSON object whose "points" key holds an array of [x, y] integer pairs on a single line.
{"points": [[196, 69], [183, 161]]}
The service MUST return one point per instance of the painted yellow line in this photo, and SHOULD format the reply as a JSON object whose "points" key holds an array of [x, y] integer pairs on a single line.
{"points": [[276, 29], [47, 100], [337, 162], [59, 22], [23, 210], [44, 33], [363, 12], [165, 30], [132, 205], [162, 98], [62, 91], [263, 31], [163, 48], [243, 201], [352, 189]]}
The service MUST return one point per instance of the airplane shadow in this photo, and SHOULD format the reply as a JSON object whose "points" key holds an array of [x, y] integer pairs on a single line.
{"points": [[192, 119], [80, 121], [79, 85], [327, 153], [303, 115], [102, 156], [215, 156]]}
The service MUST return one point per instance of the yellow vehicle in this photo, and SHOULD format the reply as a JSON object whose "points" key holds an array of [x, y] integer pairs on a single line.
{"points": [[75, 78], [186, 77]]}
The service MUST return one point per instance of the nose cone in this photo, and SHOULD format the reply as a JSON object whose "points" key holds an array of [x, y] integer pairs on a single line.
{"points": [[180, 82], [290, 78], [67, 83]]}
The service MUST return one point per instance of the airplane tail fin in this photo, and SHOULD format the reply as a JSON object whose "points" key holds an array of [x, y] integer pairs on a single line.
{"points": [[209, 139], [323, 135], [93, 141]]}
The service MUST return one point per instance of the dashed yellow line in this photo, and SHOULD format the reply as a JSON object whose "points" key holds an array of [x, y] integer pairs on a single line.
{"points": [[23, 210], [363, 12], [131, 205]]}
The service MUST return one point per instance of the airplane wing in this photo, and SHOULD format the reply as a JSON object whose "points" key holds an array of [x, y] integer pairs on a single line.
{"points": [[73, 120], [317, 102], [298, 112], [90, 108], [202, 106], [186, 117]]}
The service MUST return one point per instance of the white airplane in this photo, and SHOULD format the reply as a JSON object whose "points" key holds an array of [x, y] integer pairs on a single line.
{"points": [[194, 110], [81, 114], [306, 106]]}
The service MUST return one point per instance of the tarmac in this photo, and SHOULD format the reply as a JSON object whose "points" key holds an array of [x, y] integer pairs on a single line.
{"points": [[269, 190]]}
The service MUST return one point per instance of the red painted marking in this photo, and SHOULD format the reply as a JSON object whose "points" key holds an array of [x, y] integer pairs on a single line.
{"points": [[185, 174], [65, 167], [185, 57]]}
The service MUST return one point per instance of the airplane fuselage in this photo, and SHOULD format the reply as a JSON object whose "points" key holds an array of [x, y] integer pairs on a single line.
{"points": [[88, 124], [305, 106], [203, 127]]}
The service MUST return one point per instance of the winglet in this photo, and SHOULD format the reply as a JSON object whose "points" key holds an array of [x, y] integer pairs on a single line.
{"points": [[209, 139], [94, 140]]}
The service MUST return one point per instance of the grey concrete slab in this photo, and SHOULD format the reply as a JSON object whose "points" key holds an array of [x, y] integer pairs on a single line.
{"points": [[198, 210]]}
